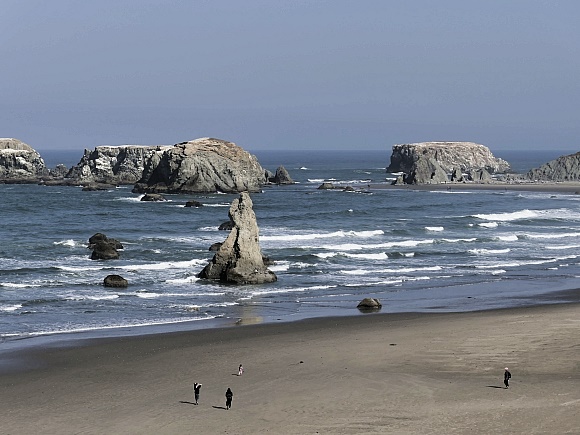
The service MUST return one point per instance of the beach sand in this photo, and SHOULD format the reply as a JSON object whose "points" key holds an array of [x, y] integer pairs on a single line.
{"points": [[375, 373]]}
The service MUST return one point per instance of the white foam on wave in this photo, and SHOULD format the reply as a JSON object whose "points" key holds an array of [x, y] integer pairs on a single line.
{"points": [[471, 239], [107, 297], [488, 224], [510, 238], [388, 245], [280, 266], [130, 198], [334, 234], [70, 243], [378, 256], [483, 251], [267, 291], [130, 324], [552, 236], [498, 272], [558, 247], [356, 272], [163, 265], [509, 216], [558, 213], [18, 285], [10, 308], [316, 180], [434, 229], [523, 263], [181, 281], [217, 205]]}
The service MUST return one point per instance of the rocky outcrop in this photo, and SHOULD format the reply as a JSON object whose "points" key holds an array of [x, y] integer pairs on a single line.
{"points": [[426, 170], [114, 164], [463, 156], [281, 177], [19, 161], [103, 247], [153, 197], [202, 165], [564, 168], [239, 259], [115, 281]]}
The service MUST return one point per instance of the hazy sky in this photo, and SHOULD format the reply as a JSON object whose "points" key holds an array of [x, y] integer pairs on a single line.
{"points": [[291, 74]]}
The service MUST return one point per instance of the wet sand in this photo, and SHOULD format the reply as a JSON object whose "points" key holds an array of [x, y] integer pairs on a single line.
{"points": [[377, 373]]}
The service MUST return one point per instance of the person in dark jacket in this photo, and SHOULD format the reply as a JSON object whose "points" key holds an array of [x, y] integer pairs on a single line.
{"points": [[506, 377], [229, 396], [196, 388]]}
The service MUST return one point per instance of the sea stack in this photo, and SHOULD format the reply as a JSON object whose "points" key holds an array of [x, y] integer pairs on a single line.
{"points": [[239, 259], [430, 162], [19, 161]]}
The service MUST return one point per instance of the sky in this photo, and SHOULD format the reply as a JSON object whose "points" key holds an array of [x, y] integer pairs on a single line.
{"points": [[289, 75]]}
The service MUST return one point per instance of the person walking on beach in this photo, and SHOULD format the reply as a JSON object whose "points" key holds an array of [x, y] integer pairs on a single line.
{"points": [[196, 388], [240, 370], [229, 396], [506, 377]]}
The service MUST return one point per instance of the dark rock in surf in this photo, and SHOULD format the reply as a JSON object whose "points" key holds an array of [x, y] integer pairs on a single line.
{"points": [[226, 226], [326, 186], [103, 247], [281, 177], [193, 203], [115, 281], [153, 197]]}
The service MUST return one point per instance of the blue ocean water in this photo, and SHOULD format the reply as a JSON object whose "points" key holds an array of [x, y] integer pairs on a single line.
{"points": [[415, 250]]}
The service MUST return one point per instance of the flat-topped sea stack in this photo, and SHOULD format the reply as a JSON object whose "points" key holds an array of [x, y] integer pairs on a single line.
{"points": [[430, 162], [202, 165], [564, 168], [19, 161]]}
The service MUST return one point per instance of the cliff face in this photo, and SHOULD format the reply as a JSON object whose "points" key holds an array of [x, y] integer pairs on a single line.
{"points": [[467, 156], [202, 165], [20, 161], [114, 164], [564, 168]]}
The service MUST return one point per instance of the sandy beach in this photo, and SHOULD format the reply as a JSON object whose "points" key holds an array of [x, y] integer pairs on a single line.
{"points": [[377, 373]]}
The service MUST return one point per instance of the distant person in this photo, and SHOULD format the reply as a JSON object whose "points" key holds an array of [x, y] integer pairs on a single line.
{"points": [[196, 388], [506, 377], [229, 397], [240, 370]]}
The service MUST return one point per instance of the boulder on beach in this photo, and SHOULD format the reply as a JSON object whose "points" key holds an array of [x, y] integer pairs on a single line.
{"points": [[369, 304]]}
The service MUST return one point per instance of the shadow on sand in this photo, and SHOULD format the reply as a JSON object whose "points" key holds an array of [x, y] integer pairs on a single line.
{"points": [[494, 386], [219, 407], [186, 402]]}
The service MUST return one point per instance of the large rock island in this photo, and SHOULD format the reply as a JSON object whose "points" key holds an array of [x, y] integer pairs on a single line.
{"points": [[202, 165], [430, 162], [564, 168], [19, 161]]}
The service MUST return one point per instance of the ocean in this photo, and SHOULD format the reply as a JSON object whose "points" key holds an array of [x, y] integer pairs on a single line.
{"points": [[415, 250]]}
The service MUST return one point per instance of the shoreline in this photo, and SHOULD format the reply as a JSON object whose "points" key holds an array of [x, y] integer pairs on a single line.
{"points": [[551, 186], [387, 373]]}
